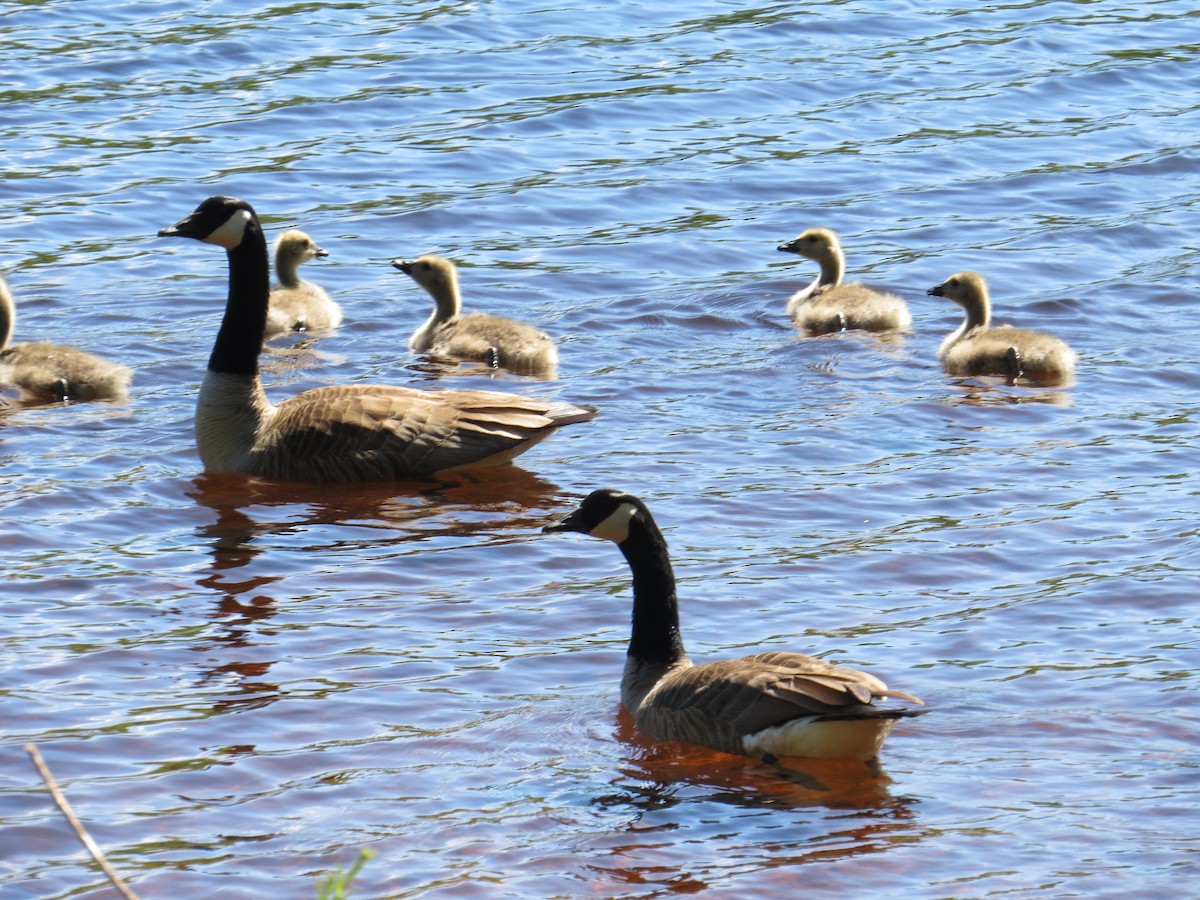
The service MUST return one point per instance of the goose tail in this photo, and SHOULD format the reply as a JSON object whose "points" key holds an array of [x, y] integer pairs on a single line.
{"points": [[562, 413]]}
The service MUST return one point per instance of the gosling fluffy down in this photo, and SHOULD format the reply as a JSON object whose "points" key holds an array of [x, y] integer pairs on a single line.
{"points": [[55, 371], [980, 348], [767, 705], [493, 340], [827, 304], [296, 304]]}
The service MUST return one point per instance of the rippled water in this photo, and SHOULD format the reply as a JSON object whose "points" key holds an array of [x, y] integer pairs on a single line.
{"points": [[240, 684]]}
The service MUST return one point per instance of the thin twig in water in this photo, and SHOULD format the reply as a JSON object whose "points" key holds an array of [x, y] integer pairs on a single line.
{"points": [[82, 834]]}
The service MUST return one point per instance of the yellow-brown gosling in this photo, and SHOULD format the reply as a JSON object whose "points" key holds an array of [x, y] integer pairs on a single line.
{"points": [[55, 371], [296, 304], [493, 340], [768, 705], [357, 432], [827, 304], [980, 348]]}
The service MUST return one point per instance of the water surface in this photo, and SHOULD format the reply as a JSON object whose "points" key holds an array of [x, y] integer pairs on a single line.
{"points": [[239, 683]]}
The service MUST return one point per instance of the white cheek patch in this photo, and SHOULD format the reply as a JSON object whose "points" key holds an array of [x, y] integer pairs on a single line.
{"points": [[230, 234], [615, 527]]}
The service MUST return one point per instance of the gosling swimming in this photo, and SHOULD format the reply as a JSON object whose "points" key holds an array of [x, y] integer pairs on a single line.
{"points": [[55, 371], [979, 348], [827, 305], [296, 304], [494, 340]]}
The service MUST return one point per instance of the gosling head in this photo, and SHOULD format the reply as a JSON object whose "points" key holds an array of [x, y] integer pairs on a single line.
{"points": [[298, 247], [604, 513], [815, 244], [434, 273], [967, 289], [224, 221]]}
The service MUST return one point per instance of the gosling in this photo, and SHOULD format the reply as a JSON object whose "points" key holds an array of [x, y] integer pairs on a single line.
{"points": [[827, 305], [979, 348], [493, 340], [296, 304], [55, 371]]}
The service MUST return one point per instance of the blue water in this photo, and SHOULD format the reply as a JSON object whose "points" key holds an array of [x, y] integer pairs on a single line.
{"points": [[240, 684]]}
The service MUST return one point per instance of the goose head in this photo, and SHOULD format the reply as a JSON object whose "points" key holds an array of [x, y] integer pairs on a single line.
{"points": [[604, 513], [296, 247], [968, 290], [223, 221]]}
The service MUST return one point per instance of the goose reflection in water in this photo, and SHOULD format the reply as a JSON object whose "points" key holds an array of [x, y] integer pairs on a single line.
{"points": [[972, 391], [662, 769], [401, 511], [244, 605], [672, 793], [292, 358], [250, 511]]}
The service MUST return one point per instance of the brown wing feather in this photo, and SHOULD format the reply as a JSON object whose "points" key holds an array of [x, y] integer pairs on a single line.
{"points": [[717, 703], [367, 432]]}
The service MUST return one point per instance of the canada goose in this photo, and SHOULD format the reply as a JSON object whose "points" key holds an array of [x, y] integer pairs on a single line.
{"points": [[828, 305], [344, 433], [768, 705], [296, 304], [979, 348], [54, 371], [476, 336]]}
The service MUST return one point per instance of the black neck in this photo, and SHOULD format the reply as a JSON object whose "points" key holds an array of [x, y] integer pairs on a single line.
{"points": [[655, 634], [240, 339]]}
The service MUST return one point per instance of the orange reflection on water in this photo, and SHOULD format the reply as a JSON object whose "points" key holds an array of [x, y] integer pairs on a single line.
{"points": [[834, 783], [683, 794]]}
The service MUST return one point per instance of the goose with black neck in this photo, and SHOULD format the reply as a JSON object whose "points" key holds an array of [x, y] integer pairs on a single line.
{"points": [[358, 432], [770, 705]]}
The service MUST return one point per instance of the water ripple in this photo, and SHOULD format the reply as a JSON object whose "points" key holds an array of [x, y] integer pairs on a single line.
{"points": [[218, 668]]}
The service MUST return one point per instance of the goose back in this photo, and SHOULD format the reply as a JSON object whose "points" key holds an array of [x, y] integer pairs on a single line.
{"points": [[778, 703], [377, 432]]}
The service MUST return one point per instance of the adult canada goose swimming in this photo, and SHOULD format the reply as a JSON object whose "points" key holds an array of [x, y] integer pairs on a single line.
{"points": [[346, 433], [494, 340], [829, 305], [54, 371], [768, 705], [296, 304], [979, 348]]}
